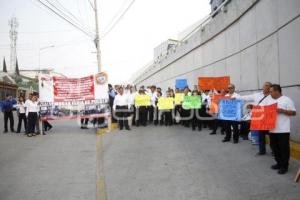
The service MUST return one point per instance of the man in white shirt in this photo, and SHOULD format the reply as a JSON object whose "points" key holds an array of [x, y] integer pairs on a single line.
{"points": [[153, 96], [280, 135], [120, 107], [234, 124], [261, 98]]}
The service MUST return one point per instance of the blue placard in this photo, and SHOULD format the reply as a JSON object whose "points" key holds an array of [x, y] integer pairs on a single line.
{"points": [[181, 83], [230, 109]]}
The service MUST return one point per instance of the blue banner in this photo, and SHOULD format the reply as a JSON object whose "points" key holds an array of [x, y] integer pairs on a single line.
{"points": [[181, 83], [230, 109]]}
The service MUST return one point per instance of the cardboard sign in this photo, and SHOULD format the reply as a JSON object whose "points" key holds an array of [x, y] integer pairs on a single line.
{"points": [[191, 102], [165, 103], [263, 117], [142, 100], [230, 109], [181, 83], [214, 107], [178, 98], [210, 83]]}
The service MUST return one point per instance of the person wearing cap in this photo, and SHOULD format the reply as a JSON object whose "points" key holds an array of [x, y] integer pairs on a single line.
{"points": [[121, 108]]}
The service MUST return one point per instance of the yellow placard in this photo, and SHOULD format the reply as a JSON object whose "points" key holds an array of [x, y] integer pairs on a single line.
{"points": [[142, 100], [165, 103], [178, 98]]}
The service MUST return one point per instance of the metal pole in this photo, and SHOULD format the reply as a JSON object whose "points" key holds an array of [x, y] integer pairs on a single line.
{"points": [[97, 39]]}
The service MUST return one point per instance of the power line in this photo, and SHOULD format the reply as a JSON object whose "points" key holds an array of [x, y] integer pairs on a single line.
{"points": [[118, 20], [65, 19], [74, 19]]}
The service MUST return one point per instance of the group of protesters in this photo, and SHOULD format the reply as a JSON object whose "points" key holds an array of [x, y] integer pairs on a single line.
{"points": [[28, 114], [122, 100]]}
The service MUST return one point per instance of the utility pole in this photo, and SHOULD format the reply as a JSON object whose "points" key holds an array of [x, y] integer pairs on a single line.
{"points": [[13, 43], [97, 39]]}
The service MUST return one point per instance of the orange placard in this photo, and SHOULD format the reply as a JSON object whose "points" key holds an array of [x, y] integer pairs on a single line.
{"points": [[214, 106], [222, 82], [210, 83], [263, 117], [206, 83]]}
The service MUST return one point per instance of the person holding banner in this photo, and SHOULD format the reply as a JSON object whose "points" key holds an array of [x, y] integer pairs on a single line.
{"points": [[166, 116], [185, 113], [261, 98], [142, 107], [121, 106], [228, 124], [196, 122], [280, 135]]}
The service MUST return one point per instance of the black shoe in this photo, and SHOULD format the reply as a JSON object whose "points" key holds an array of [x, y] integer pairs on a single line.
{"points": [[4, 131], [49, 128], [225, 140], [128, 129], [213, 133], [261, 153], [18, 132], [235, 141], [121, 128], [275, 167], [282, 171], [13, 131]]}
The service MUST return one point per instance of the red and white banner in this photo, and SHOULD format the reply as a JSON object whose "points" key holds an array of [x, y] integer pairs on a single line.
{"points": [[69, 98]]}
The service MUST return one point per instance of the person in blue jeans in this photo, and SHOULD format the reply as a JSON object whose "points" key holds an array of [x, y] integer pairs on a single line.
{"points": [[7, 109]]}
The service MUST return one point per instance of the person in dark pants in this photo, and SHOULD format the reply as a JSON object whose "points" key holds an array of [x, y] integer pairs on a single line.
{"points": [[228, 123], [21, 114], [196, 113], [47, 126], [84, 123], [121, 108], [186, 113], [153, 97], [111, 94], [260, 98], [7, 109], [156, 117], [280, 135], [32, 110], [142, 111]]}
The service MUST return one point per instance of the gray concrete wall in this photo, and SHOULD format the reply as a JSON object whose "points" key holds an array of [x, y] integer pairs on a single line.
{"points": [[253, 42]]}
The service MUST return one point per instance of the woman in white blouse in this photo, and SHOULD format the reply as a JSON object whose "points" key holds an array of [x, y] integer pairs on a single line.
{"points": [[21, 114], [32, 110]]}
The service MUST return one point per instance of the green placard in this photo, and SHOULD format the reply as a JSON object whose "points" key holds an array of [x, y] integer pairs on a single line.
{"points": [[191, 102]]}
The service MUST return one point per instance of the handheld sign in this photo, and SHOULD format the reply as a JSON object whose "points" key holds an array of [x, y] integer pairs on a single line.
{"points": [[210, 83], [191, 102], [178, 98], [142, 100], [181, 83], [165, 103], [230, 109], [263, 117], [214, 107]]}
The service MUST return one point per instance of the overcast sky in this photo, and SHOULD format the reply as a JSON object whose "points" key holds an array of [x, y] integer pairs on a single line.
{"points": [[128, 47]]}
